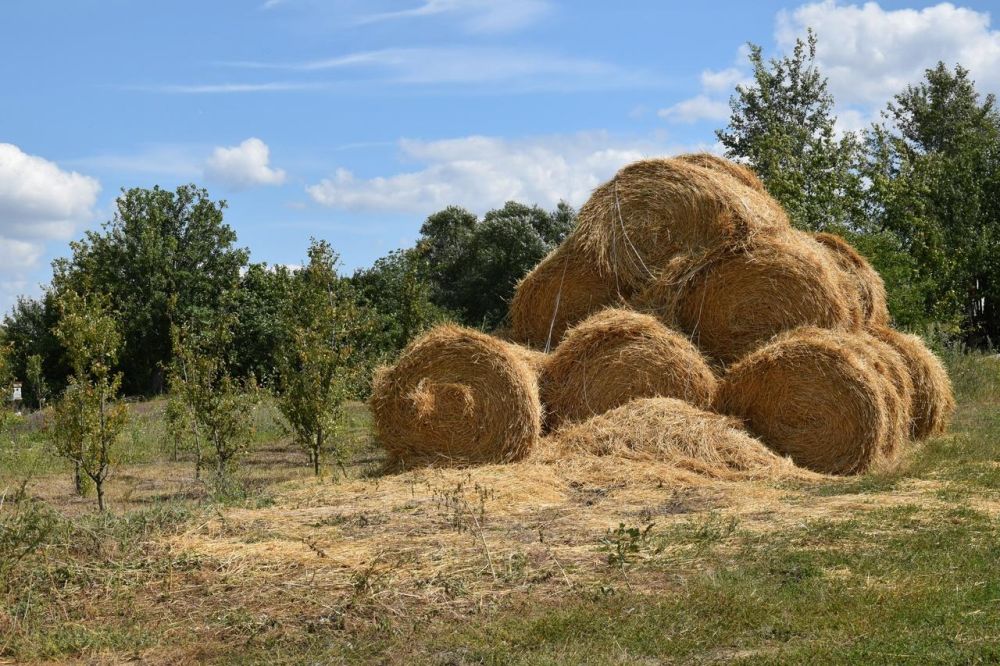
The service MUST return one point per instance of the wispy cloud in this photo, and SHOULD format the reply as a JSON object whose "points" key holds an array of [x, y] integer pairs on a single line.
{"points": [[475, 15], [229, 88], [461, 65]]}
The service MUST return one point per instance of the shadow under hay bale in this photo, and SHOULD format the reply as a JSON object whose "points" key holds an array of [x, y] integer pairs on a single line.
{"points": [[457, 396], [731, 302], [653, 210], [864, 281], [933, 401], [564, 288], [813, 397], [732, 169], [667, 430], [615, 356]]}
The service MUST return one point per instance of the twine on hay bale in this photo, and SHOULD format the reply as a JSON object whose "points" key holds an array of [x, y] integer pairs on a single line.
{"points": [[653, 210], [864, 281], [667, 430], [732, 169], [457, 396], [564, 288], [615, 356], [731, 302], [933, 401], [813, 397]]}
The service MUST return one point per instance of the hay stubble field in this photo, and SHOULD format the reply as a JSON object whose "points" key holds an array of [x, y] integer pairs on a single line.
{"points": [[612, 562]]}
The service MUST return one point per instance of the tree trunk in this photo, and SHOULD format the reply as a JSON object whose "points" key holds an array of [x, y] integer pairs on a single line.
{"points": [[319, 447], [77, 479], [99, 483]]}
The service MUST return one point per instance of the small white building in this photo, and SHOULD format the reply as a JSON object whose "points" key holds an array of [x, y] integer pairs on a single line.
{"points": [[16, 396]]}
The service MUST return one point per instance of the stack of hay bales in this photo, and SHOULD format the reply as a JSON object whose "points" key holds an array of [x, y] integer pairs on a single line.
{"points": [[683, 288]]}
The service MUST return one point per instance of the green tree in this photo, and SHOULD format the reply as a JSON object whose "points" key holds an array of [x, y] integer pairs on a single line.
{"points": [[321, 360], [474, 266], [933, 164], [30, 327], [6, 381], [165, 257], [35, 377], [220, 406], [89, 417], [783, 125], [263, 296], [397, 288]]}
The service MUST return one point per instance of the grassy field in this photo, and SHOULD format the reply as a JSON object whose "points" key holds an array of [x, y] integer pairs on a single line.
{"points": [[505, 564]]}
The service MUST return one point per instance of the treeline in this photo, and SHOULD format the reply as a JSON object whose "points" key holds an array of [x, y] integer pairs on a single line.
{"points": [[168, 262]]}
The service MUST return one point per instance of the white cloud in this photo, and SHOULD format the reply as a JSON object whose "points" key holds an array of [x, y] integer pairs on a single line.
{"points": [[695, 109], [39, 203], [19, 255], [481, 172], [38, 200], [869, 53], [474, 15], [722, 80], [243, 166]]}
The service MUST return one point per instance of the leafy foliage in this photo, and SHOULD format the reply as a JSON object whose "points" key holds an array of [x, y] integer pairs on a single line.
{"points": [[475, 265], [783, 125], [324, 353], [165, 257], [934, 167], [397, 288], [220, 406], [89, 418]]}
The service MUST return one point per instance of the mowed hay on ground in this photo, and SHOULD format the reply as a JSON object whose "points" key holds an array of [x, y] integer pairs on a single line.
{"points": [[560, 291], [815, 398], [653, 210], [733, 169], [933, 400], [457, 396], [671, 431], [615, 356], [731, 302], [865, 282]]}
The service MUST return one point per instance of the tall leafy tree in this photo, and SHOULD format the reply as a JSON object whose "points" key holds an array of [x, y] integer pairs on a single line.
{"points": [[783, 125], [165, 256], [934, 167], [260, 302], [475, 265]]}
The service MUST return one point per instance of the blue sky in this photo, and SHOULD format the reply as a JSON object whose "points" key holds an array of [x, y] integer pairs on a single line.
{"points": [[351, 120]]}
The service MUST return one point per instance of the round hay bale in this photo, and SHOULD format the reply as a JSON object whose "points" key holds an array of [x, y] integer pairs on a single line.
{"points": [[457, 396], [865, 282], [615, 356], [933, 401], [671, 431], [653, 210], [731, 302], [564, 288], [894, 378], [813, 397], [732, 169]]}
